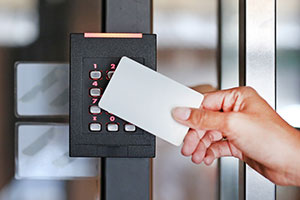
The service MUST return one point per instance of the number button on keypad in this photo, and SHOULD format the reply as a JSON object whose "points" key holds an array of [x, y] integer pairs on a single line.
{"points": [[95, 127], [95, 92], [95, 110], [95, 75], [112, 127], [129, 127], [109, 74]]}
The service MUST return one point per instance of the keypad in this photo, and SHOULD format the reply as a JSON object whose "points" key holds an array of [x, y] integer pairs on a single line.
{"points": [[98, 72]]}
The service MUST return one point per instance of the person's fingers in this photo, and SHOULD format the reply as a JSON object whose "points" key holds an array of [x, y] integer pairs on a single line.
{"points": [[191, 141], [214, 100], [201, 119], [227, 100], [211, 137], [216, 151], [204, 143], [199, 153], [220, 149]]}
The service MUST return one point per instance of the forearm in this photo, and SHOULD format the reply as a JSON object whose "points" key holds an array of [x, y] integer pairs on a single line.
{"points": [[293, 173]]}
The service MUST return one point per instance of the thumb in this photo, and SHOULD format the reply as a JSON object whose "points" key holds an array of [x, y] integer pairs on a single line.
{"points": [[201, 119]]}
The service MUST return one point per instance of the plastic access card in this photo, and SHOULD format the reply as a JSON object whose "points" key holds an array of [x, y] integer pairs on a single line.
{"points": [[145, 98]]}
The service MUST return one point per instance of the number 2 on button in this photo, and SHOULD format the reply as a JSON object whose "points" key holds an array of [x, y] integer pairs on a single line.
{"points": [[112, 66]]}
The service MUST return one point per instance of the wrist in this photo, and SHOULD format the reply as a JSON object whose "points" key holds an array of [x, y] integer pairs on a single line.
{"points": [[294, 161]]}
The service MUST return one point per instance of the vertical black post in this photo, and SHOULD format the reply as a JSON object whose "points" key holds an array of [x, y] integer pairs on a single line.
{"points": [[126, 178], [242, 82]]}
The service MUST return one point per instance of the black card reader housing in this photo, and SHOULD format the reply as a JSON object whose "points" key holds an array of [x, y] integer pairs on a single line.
{"points": [[93, 59]]}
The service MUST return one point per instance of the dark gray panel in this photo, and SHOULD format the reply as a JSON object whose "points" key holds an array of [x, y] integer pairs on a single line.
{"points": [[128, 16], [126, 178]]}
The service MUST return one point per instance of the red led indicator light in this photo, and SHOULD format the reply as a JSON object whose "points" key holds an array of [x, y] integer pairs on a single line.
{"points": [[113, 35]]}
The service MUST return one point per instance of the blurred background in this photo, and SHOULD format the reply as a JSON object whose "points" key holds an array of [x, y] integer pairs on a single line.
{"points": [[38, 31]]}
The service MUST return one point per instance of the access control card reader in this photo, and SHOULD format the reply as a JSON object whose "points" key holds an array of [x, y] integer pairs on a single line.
{"points": [[95, 132]]}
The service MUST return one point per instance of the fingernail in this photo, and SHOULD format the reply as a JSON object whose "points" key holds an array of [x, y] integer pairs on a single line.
{"points": [[208, 160], [186, 150], [181, 113]]}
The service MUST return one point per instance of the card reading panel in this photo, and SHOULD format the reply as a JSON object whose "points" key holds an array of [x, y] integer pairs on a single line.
{"points": [[93, 131]]}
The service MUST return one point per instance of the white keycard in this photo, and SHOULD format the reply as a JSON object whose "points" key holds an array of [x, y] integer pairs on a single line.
{"points": [[145, 98]]}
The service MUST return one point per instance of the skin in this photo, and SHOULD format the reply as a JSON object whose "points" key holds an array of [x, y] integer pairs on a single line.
{"points": [[254, 133]]}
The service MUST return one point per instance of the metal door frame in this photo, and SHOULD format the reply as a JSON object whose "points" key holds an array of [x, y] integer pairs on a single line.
{"points": [[256, 67]]}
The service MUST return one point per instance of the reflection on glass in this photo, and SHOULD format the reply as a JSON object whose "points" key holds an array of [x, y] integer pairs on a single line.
{"points": [[288, 61], [288, 73], [34, 190], [18, 22], [43, 153], [45, 93], [187, 35]]}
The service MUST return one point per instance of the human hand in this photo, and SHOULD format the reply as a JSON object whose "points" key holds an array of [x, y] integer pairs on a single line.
{"points": [[254, 133]]}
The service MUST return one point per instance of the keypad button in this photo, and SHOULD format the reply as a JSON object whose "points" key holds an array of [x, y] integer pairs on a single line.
{"points": [[95, 92], [130, 127], [112, 127], [95, 127], [95, 110], [95, 75], [109, 74]]}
